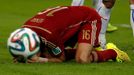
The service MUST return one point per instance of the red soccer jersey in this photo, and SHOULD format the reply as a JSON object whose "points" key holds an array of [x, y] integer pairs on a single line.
{"points": [[59, 24]]}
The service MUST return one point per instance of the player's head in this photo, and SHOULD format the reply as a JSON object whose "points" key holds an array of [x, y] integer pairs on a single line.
{"points": [[23, 43]]}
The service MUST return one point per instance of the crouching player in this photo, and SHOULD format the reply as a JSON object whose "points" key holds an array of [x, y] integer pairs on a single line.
{"points": [[60, 27]]}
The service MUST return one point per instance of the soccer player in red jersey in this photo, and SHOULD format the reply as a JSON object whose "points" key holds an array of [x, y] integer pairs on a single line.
{"points": [[60, 27]]}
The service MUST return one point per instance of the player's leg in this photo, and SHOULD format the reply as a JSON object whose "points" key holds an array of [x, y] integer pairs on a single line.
{"points": [[121, 55], [86, 54], [104, 7], [112, 52], [88, 37], [94, 56], [110, 27], [102, 56], [77, 2], [132, 14], [83, 52], [97, 4]]}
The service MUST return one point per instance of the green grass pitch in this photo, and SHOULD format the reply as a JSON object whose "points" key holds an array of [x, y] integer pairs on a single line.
{"points": [[13, 13]]}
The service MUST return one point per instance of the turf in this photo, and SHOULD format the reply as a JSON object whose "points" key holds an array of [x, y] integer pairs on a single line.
{"points": [[13, 13]]}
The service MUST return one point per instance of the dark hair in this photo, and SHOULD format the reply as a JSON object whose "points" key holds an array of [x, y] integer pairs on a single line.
{"points": [[21, 59]]}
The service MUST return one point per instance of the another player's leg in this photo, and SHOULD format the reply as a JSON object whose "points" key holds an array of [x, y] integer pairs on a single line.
{"points": [[98, 5], [111, 28], [132, 14], [77, 2], [104, 9]]}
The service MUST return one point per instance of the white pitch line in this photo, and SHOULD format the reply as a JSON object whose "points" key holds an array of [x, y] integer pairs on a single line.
{"points": [[123, 25]]}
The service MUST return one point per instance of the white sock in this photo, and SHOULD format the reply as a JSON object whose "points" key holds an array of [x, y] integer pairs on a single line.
{"points": [[105, 14], [132, 17], [77, 2]]}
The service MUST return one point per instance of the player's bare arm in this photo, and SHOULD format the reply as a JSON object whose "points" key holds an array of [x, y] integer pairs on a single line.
{"points": [[36, 59]]}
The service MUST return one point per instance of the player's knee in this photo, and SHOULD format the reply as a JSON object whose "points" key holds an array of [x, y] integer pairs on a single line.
{"points": [[81, 60], [109, 3]]}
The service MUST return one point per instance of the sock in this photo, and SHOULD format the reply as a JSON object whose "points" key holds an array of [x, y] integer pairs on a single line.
{"points": [[77, 2], [106, 55], [132, 17]]}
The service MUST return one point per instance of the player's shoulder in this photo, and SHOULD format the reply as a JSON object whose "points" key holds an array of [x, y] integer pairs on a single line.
{"points": [[82, 7], [70, 7], [87, 8], [77, 6]]}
